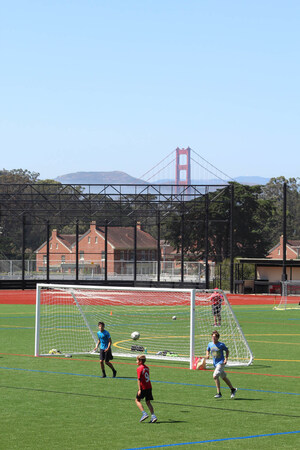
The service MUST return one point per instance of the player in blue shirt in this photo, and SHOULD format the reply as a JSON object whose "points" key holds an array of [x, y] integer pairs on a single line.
{"points": [[104, 340], [217, 349]]}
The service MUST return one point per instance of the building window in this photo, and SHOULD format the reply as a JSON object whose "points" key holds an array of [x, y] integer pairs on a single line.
{"points": [[45, 259], [56, 246], [96, 239], [143, 255], [50, 246], [279, 251], [103, 256], [81, 257], [63, 258], [89, 240], [122, 256]]}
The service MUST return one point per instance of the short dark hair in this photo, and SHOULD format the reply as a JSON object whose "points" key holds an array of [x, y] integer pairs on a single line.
{"points": [[216, 333], [101, 323]]}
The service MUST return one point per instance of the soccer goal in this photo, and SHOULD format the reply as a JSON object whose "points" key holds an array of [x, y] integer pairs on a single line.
{"points": [[174, 324], [290, 295]]}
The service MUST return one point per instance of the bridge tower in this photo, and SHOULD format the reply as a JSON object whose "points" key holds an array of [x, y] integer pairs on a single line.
{"points": [[183, 167]]}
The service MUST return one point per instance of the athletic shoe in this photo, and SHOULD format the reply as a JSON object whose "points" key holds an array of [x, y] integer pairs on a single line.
{"points": [[233, 392], [103, 376], [114, 373], [218, 396], [153, 418], [144, 417]]}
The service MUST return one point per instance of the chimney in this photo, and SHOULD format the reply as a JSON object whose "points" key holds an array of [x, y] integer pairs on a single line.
{"points": [[54, 234], [138, 225], [93, 226]]}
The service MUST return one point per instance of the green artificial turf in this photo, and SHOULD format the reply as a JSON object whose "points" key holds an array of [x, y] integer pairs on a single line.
{"points": [[61, 403]]}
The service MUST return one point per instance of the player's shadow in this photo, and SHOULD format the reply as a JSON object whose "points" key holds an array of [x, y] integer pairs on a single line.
{"points": [[247, 399], [170, 421]]}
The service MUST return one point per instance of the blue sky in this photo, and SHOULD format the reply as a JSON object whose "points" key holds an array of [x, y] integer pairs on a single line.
{"points": [[100, 85]]}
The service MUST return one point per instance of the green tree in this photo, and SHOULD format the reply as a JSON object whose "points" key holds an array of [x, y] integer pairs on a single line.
{"points": [[252, 217], [273, 191], [18, 176], [26, 199]]}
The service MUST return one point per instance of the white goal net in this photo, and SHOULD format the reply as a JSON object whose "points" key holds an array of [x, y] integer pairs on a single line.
{"points": [[290, 295], [174, 324]]}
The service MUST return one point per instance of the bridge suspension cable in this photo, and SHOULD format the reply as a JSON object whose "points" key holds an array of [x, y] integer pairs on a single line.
{"points": [[204, 164]]}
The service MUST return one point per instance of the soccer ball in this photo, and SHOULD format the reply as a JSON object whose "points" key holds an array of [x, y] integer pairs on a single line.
{"points": [[174, 317], [135, 335]]}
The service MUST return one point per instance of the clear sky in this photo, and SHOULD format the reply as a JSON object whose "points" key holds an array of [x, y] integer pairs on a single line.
{"points": [[97, 85]]}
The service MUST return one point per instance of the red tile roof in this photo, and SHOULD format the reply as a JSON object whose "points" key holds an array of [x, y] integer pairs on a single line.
{"points": [[67, 239], [293, 243], [122, 238]]}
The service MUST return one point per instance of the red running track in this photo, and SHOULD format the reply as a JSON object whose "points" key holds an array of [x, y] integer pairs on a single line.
{"points": [[19, 297]]}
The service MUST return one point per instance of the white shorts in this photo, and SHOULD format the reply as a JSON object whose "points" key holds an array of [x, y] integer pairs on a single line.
{"points": [[219, 371]]}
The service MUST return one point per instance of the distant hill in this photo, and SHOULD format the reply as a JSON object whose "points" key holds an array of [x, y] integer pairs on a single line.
{"points": [[117, 177], [114, 177]]}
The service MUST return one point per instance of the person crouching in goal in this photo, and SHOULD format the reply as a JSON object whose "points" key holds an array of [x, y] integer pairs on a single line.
{"points": [[217, 349], [144, 389], [104, 340]]}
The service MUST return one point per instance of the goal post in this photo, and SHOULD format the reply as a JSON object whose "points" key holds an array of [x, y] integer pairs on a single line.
{"points": [[290, 295], [174, 324]]}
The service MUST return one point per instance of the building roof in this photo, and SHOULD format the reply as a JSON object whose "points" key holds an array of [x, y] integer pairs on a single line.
{"points": [[293, 243], [68, 239], [269, 262], [122, 238]]}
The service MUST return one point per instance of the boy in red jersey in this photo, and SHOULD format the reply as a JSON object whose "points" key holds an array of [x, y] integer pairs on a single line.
{"points": [[144, 389]]}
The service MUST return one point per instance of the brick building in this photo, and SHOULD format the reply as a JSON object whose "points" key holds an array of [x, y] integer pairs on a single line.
{"points": [[91, 250], [269, 270], [292, 249]]}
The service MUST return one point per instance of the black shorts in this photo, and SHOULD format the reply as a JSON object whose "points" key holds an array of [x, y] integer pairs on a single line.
{"points": [[146, 394], [216, 309], [106, 356]]}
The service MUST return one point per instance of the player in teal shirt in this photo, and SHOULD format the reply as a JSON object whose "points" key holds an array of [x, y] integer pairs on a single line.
{"points": [[217, 352], [104, 340], [217, 349]]}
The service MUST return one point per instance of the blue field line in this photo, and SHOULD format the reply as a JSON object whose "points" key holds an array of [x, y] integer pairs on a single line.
{"points": [[214, 440], [152, 381]]}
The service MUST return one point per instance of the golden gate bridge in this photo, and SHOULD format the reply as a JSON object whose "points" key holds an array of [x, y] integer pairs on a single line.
{"points": [[177, 168]]}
